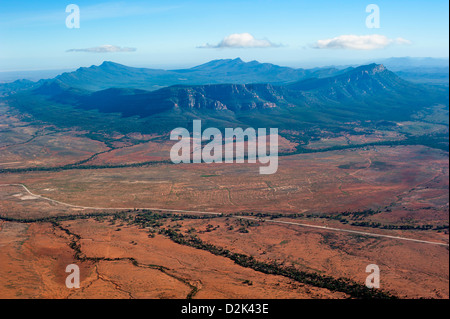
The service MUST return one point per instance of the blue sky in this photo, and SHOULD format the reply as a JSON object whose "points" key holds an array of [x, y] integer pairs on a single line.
{"points": [[172, 34]]}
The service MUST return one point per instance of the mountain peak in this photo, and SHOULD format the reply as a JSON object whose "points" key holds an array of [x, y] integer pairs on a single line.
{"points": [[109, 64], [220, 64], [371, 68], [363, 79], [52, 87]]}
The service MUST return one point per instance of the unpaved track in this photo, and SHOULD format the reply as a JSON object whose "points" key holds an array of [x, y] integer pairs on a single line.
{"points": [[238, 217], [349, 231]]}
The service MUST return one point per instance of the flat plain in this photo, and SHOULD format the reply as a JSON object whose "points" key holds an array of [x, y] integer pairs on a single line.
{"points": [[89, 214]]}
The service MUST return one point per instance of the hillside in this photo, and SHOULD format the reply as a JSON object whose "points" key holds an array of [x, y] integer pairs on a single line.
{"points": [[366, 93]]}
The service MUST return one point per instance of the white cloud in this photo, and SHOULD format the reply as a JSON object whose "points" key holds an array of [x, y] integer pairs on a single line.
{"points": [[241, 40], [359, 42], [402, 41], [107, 48]]}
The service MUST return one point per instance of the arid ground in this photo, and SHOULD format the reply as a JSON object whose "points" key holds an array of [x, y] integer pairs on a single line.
{"points": [[142, 231]]}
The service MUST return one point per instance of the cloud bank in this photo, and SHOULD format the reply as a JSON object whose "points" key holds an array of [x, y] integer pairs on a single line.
{"points": [[240, 41], [359, 42], [107, 48]]}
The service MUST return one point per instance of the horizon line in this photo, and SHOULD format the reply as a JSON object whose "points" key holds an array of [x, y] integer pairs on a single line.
{"points": [[231, 59]]}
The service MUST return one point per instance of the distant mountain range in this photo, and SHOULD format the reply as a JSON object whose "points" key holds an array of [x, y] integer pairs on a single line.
{"points": [[287, 98], [110, 74], [360, 85], [236, 71]]}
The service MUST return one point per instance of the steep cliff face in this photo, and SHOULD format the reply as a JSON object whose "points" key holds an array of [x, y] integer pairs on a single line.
{"points": [[233, 97]]}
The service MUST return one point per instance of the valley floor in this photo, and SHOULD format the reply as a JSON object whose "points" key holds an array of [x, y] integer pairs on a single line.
{"points": [[360, 203]]}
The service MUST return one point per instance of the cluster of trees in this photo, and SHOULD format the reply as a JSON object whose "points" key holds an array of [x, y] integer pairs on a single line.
{"points": [[209, 228], [352, 218], [59, 218], [437, 141], [353, 289], [78, 166], [344, 218], [400, 227]]}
